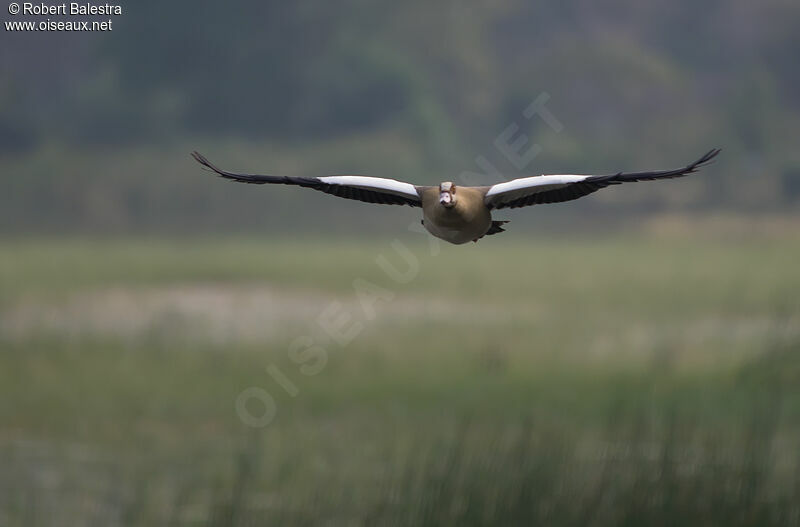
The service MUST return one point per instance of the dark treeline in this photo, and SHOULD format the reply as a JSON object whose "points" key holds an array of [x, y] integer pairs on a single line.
{"points": [[633, 84]]}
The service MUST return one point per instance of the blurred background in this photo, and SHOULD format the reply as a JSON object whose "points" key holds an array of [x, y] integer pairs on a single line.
{"points": [[628, 358]]}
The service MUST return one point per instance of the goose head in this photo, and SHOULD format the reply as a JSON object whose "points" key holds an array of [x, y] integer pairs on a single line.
{"points": [[447, 194]]}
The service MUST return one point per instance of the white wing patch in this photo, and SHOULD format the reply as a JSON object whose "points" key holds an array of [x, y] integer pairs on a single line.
{"points": [[540, 183], [386, 185]]}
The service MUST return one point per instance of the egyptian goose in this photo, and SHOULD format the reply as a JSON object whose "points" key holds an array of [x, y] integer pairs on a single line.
{"points": [[462, 214]]}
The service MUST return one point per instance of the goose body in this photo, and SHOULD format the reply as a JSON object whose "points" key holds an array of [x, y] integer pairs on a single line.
{"points": [[459, 214], [466, 221]]}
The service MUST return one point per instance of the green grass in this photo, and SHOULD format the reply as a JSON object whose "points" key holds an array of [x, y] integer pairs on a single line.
{"points": [[614, 381]]}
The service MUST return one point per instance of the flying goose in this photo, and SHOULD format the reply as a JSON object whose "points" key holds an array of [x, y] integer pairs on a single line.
{"points": [[462, 214]]}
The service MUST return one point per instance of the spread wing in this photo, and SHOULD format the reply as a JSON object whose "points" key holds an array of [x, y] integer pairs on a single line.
{"points": [[555, 188], [362, 188]]}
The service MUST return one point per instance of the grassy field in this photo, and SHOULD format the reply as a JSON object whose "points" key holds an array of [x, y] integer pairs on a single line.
{"points": [[622, 381]]}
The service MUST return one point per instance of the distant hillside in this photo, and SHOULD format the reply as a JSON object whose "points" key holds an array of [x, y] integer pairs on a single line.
{"points": [[633, 86]]}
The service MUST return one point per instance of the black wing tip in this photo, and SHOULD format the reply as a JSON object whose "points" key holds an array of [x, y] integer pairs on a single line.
{"points": [[241, 178], [200, 158], [707, 158]]}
